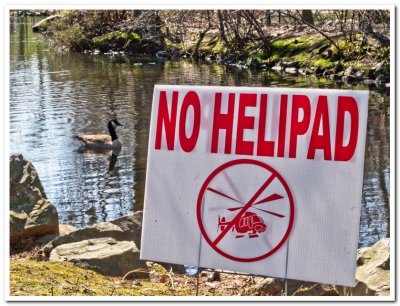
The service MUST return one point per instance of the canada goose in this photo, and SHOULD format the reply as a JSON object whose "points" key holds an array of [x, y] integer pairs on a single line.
{"points": [[102, 141]]}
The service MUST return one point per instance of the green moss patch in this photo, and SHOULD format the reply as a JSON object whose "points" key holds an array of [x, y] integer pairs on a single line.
{"points": [[116, 40], [40, 278]]}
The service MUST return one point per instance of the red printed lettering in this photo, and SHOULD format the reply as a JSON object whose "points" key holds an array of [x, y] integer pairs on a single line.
{"points": [[298, 127], [322, 142], [223, 122], [188, 143], [345, 152], [166, 119]]}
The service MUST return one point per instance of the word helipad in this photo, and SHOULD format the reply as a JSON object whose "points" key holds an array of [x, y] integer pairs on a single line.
{"points": [[179, 126]]}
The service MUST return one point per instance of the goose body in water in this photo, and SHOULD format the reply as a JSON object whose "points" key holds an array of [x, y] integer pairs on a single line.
{"points": [[102, 141]]}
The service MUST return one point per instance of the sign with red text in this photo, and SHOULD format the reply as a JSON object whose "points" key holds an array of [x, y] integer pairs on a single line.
{"points": [[265, 181]]}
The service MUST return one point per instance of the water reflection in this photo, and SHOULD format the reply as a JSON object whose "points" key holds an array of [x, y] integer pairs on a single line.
{"points": [[53, 96], [111, 155]]}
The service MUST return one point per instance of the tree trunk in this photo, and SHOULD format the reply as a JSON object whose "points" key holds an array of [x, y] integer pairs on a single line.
{"points": [[268, 17], [307, 16], [222, 27]]}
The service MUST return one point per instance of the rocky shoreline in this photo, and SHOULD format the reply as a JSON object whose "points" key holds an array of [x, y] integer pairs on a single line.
{"points": [[112, 248], [305, 54], [31, 13]]}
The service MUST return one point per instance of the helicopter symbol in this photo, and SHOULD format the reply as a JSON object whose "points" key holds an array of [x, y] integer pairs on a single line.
{"points": [[249, 222]]}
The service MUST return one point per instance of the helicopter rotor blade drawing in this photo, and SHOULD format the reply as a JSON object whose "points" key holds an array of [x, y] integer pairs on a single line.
{"points": [[272, 197], [223, 194], [269, 212]]}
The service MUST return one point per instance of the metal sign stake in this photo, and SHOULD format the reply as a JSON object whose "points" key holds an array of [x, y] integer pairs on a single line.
{"points": [[286, 267], [198, 258]]}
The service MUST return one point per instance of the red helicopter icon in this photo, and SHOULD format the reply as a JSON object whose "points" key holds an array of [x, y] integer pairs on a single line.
{"points": [[249, 222]]}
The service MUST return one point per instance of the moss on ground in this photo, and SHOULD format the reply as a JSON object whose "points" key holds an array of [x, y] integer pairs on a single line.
{"points": [[117, 36], [116, 40], [41, 278]]}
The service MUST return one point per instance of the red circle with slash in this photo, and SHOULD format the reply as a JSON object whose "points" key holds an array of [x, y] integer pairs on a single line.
{"points": [[205, 186]]}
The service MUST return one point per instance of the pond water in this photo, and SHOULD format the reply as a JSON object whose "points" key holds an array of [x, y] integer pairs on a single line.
{"points": [[54, 96]]}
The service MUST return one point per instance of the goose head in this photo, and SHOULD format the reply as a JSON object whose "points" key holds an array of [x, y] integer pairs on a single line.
{"points": [[112, 124]]}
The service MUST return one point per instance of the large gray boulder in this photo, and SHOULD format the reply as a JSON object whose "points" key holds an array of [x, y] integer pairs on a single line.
{"points": [[276, 287], [107, 247], [131, 225], [99, 230], [31, 213], [104, 255], [126, 228], [372, 278], [373, 271]]}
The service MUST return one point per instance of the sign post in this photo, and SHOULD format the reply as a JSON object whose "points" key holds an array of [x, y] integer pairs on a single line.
{"points": [[236, 173]]}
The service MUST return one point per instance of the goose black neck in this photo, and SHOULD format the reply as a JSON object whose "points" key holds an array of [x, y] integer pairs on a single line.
{"points": [[112, 131]]}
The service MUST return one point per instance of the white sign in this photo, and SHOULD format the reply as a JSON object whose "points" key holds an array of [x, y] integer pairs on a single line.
{"points": [[265, 181]]}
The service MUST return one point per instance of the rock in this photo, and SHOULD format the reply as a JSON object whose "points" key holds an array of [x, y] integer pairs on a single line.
{"points": [[276, 287], [43, 219], [25, 186], [316, 290], [291, 70], [104, 255], [42, 213], [368, 81], [293, 64], [253, 63], [349, 71], [214, 277], [277, 68], [319, 70], [328, 72], [64, 229], [373, 271], [378, 68], [17, 222], [241, 64], [131, 226], [42, 24], [31, 213], [380, 79], [335, 76], [106, 247], [161, 54], [305, 71], [359, 74], [269, 286], [99, 230], [124, 228], [338, 68], [349, 78]]}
